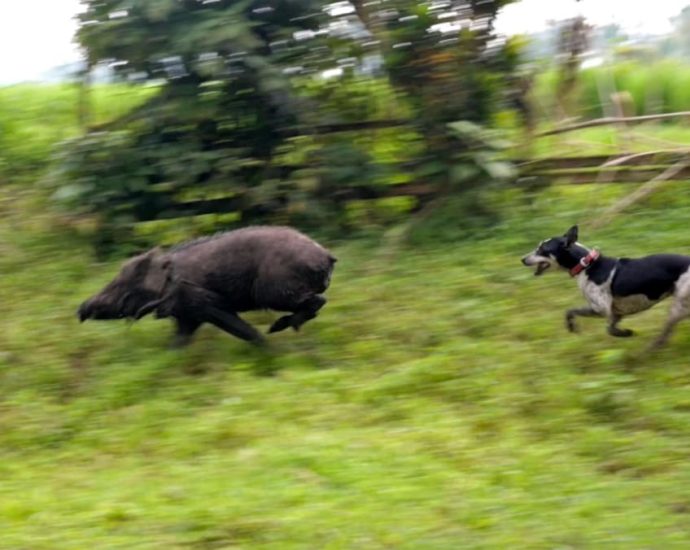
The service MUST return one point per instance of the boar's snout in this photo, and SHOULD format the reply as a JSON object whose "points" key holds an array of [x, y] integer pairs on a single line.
{"points": [[97, 308], [84, 311]]}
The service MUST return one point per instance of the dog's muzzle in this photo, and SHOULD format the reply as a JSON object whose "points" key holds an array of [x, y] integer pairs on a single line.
{"points": [[534, 260]]}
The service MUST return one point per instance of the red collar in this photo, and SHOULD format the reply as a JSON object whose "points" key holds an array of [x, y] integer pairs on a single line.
{"points": [[585, 262]]}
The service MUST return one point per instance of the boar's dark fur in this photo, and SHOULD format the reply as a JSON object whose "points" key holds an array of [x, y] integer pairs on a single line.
{"points": [[211, 280]]}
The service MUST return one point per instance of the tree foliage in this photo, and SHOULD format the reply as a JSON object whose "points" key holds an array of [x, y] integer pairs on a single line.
{"points": [[443, 55], [444, 58], [238, 79]]}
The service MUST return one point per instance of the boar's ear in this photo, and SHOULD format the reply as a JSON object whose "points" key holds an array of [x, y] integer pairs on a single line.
{"points": [[155, 252], [159, 271], [142, 263]]}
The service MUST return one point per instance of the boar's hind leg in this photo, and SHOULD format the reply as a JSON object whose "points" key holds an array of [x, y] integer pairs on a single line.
{"points": [[308, 309], [185, 331], [233, 324]]}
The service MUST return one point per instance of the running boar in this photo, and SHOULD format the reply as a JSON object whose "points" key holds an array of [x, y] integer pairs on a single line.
{"points": [[212, 279]]}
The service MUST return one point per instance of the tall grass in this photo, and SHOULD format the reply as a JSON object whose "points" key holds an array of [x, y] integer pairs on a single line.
{"points": [[661, 87]]}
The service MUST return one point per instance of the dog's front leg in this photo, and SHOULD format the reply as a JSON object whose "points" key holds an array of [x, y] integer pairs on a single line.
{"points": [[613, 329], [578, 312]]}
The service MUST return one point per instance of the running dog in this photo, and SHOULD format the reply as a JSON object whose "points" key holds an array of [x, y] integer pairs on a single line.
{"points": [[617, 287]]}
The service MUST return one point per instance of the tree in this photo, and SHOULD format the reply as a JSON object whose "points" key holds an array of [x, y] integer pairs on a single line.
{"points": [[681, 32], [573, 41], [234, 87], [223, 106], [445, 59]]}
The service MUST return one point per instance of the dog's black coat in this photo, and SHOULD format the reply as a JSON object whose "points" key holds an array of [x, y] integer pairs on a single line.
{"points": [[654, 276]]}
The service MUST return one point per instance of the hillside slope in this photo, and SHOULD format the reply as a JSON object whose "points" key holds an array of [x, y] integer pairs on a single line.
{"points": [[437, 402]]}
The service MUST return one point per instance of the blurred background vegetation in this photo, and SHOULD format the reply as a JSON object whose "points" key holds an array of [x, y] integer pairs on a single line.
{"points": [[437, 402]]}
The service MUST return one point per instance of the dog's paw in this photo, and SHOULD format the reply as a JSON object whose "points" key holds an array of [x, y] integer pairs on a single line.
{"points": [[621, 332], [570, 325], [656, 345]]}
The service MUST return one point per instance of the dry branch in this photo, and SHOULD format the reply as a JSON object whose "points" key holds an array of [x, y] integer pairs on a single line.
{"points": [[641, 192], [610, 120], [661, 158], [639, 158]]}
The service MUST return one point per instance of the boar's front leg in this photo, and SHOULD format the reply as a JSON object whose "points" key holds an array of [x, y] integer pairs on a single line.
{"points": [[233, 324], [186, 328], [308, 309]]}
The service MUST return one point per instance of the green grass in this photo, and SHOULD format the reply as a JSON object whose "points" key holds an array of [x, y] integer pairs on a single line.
{"points": [[33, 118], [612, 140], [437, 402]]}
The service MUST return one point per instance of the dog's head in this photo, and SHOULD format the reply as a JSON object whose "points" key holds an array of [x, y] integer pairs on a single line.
{"points": [[556, 251]]}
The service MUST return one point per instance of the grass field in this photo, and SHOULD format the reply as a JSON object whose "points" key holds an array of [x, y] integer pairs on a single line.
{"points": [[437, 402], [34, 118], [607, 140]]}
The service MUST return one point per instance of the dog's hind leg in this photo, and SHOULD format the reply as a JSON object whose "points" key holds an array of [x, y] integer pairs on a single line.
{"points": [[613, 329], [680, 309], [578, 312]]}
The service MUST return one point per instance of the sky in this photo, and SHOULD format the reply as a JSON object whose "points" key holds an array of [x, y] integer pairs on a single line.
{"points": [[37, 35], [634, 15]]}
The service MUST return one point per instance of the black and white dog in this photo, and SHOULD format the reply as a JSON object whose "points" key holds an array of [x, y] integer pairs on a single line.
{"points": [[615, 287]]}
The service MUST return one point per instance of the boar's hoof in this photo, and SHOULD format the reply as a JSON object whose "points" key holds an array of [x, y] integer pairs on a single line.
{"points": [[180, 341], [286, 321], [259, 341]]}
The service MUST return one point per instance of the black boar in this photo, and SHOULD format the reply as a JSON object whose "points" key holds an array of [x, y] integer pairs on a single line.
{"points": [[212, 279]]}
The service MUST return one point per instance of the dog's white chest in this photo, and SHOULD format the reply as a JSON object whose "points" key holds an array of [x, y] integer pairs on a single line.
{"points": [[597, 295]]}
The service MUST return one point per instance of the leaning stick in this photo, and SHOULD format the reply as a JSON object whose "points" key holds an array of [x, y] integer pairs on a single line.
{"points": [[640, 193]]}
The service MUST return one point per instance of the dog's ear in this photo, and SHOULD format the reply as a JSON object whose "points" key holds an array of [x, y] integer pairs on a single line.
{"points": [[571, 235]]}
